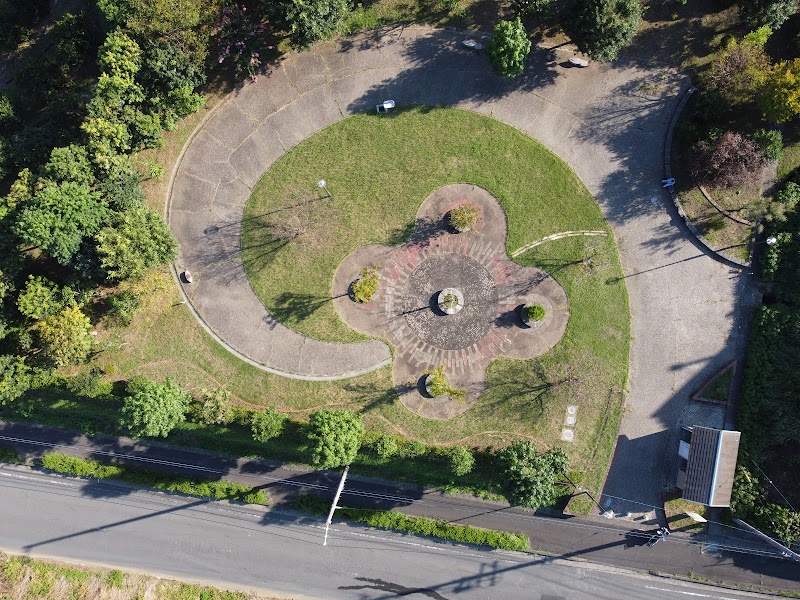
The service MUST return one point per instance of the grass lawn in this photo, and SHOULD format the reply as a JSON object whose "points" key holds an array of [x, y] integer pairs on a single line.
{"points": [[375, 201], [714, 226]]}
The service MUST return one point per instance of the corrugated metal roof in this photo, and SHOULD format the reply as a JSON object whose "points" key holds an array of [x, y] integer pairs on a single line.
{"points": [[711, 466]]}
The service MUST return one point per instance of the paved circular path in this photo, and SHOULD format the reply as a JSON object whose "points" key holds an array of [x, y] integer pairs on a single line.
{"points": [[607, 122], [411, 276]]}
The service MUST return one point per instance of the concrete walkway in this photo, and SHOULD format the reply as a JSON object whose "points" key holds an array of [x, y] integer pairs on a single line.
{"points": [[607, 122]]}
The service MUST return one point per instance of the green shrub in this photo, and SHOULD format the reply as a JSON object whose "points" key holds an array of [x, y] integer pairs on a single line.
{"points": [[313, 20], [461, 460], [267, 424], [366, 286], [122, 307], [412, 449], [418, 525], [15, 378], [154, 409], [90, 384], [534, 313], [386, 446], [530, 477], [220, 490], [215, 407], [508, 47], [439, 386], [334, 437], [771, 142], [8, 455], [464, 217]]}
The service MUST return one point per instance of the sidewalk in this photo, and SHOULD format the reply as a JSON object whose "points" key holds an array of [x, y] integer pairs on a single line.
{"points": [[597, 540]]}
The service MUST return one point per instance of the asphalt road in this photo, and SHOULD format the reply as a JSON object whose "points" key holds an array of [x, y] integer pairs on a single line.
{"points": [[87, 522]]}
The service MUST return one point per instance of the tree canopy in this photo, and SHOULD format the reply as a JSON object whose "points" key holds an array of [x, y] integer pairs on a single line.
{"points": [[154, 409], [530, 477], [601, 28], [59, 217], [137, 240], [65, 336], [508, 47], [334, 437]]}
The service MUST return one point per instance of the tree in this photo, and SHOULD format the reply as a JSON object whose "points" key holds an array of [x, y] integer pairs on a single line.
{"points": [[530, 477], [530, 7], [15, 378], [773, 13], [42, 298], [600, 28], [313, 20], [137, 240], [215, 407], [461, 460], [738, 72], [779, 97], [59, 216], [70, 163], [730, 161], [334, 437], [154, 409], [267, 424], [65, 336], [508, 47]]}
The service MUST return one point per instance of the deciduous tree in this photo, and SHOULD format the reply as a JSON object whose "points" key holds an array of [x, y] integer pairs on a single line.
{"points": [[334, 437], [508, 47], [136, 241], [601, 28], [154, 409], [530, 477], [15, 378], [779, 97], [730, 161], [65, 336]]}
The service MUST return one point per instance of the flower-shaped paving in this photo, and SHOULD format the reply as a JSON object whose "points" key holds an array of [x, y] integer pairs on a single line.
{"points": [[406, 312]]}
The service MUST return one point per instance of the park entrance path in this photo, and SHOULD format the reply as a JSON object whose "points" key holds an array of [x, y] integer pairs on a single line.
{"points": [[608, 122]]}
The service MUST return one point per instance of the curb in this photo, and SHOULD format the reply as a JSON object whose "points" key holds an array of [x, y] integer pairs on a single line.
{"points": [[675, 198]]}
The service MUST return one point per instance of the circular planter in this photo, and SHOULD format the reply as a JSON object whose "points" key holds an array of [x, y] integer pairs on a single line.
{"points": [[464, 227], [450, 309], [523, 313]]}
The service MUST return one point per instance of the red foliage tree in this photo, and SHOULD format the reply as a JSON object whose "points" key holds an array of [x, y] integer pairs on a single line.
{"points": [[730, 161]]}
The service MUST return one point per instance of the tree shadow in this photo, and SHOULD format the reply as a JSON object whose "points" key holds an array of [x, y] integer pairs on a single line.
{"points": [[297, 307]]}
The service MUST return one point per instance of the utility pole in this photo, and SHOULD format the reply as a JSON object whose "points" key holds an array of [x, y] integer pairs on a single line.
{"points": [[333, 506], [786, 552]]}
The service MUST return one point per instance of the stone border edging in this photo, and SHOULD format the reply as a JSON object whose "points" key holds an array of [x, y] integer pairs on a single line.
{"points": [[708, 197], [675, 199], [174, 270]]}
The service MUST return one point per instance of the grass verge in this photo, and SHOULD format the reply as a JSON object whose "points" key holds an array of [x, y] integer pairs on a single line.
{"points": [[385, 519], [23, 577], [218, 490]]}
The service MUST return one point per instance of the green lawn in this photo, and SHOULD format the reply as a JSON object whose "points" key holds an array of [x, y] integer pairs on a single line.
{"points": [[523, 399]]}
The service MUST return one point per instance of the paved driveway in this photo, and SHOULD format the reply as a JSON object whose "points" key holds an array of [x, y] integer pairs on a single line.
{"points": [[607, 122]]}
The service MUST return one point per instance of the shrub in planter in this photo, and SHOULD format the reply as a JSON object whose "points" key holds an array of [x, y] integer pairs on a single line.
{"points": [[533, 313], [366, 286], [464, 217], [450, 301], [437, 385]]}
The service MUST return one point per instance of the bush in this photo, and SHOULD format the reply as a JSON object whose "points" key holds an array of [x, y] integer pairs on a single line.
{"points": [[771, 143], [530, 477], [9, 455], [267, 424], [386, 446], [438, 385], [154, 409], [219, 490], [313, 20], [730, 161], [334, 437], [90, 384], [772, 13], [366, 286], [464, 217], [508, 47], [419, 525], [122, 307], [215, 407], [530, 7], [601, 28], [461, 460], [412, 449], [534, 313], [15, 378]]}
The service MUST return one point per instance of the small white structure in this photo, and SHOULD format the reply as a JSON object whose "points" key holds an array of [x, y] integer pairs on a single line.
{"points": [[450, 301], [384, 106], [472, 44], [578, 62]]}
